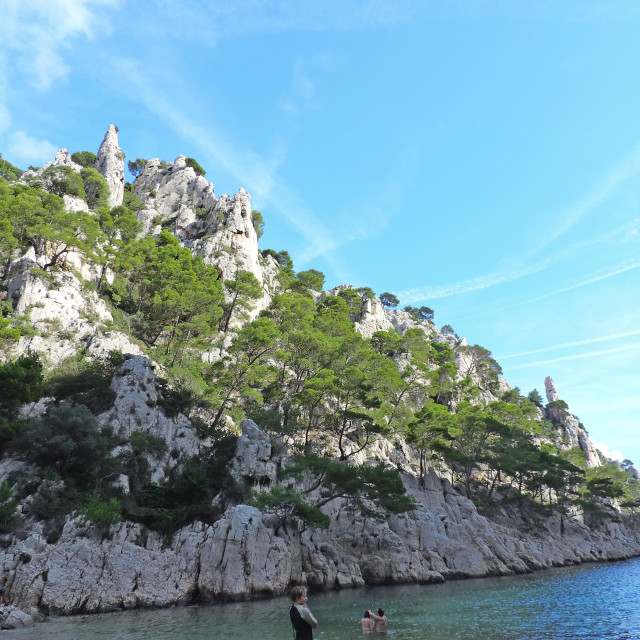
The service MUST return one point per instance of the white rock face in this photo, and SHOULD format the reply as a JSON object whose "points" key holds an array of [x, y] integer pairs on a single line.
{"points": [[68, 315], [253, 455], [550, 389], [73, 203], [110, 163], [100, 345], [174, 191], [136, 408], [373, 319], [231, 242], [247, 553], [401, 320], [219, 229], [241, 556]]}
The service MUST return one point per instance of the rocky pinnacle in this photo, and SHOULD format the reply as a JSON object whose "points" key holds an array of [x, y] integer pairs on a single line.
{"points": [[110, 163]]}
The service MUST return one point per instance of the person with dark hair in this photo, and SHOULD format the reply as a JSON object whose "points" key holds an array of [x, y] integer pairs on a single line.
{"points": [[366, 623], [302, 619], [381, 620]]}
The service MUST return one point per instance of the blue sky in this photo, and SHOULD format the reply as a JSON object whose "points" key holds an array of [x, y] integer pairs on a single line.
{"points": [[478, 157]]}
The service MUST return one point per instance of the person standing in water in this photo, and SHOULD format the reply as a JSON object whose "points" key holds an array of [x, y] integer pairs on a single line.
{"points": [[381, 620], [366, 623], [302, 619]]}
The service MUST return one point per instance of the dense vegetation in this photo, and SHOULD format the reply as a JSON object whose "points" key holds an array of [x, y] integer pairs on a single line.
{"points": [[300, 370]]}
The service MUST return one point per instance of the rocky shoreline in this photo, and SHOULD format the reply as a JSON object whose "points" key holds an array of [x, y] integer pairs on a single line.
{"points": [[244, 556]]}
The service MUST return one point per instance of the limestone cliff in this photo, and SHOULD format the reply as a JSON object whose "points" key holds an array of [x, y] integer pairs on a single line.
{"points": [[238, 551], [246, 554]]}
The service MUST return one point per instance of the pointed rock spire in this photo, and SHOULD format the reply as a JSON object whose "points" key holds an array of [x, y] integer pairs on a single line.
{"points": [[550, 388], [110, 163]]}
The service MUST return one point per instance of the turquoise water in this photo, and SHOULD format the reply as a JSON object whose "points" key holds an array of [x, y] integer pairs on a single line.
{"points": [[597, 601]]}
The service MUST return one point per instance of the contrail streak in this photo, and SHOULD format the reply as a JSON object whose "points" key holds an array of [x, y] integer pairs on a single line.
{"points": [[578, 356], [577, 343]]}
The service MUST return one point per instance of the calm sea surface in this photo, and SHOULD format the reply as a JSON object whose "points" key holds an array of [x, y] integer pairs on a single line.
{"points": [[599, 601]]}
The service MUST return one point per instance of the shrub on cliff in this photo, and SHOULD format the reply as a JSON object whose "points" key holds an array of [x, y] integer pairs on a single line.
{"points": [[102, 513], [64, 181], [70, 441], [95, 186], [86, 382], [258, 222], [21, 381], [195, 165], [84, 158], [8, 506]]}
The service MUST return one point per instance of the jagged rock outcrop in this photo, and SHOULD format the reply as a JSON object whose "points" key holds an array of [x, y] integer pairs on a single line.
{"points": [[42, 178], [173, 191], [137, 407], [574, 432], [62, 159], [219, 229], [110, 163], [232, 243], [402, 321], [575, 435], [373, 318], [66, 314]]}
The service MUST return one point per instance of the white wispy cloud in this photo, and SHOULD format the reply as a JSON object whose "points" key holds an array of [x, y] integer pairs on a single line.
{"points": [[23, 148], [302, 92], [591, 279], [599, 194], [367, 215], [249, 169], [257, 174], [569, 345], [617, 270], [38, 33], [613, 454], [625, 233], [36, 37], [577, 356], [434, 292]]}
